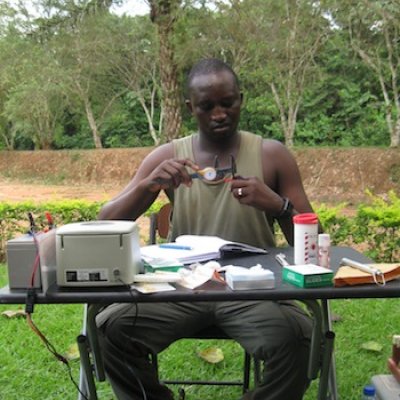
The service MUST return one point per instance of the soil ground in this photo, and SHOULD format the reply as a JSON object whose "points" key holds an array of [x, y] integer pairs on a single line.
{"points": [[330, 175]]}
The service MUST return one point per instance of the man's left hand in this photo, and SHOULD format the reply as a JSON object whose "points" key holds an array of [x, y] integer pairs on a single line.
{"points": [[253, 192]]}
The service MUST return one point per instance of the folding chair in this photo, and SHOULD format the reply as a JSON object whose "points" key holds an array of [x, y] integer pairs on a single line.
{"points": [[159, 227], [91, 359]]}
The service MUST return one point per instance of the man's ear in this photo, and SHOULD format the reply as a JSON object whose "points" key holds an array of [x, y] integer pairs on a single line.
{"points": [[189, 106]]}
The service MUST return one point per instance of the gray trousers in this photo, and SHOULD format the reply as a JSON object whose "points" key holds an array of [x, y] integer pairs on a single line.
{"points": [[277, 333]]}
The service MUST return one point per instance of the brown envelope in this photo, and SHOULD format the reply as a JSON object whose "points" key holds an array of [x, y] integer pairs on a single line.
{"points": [[353, 276]]}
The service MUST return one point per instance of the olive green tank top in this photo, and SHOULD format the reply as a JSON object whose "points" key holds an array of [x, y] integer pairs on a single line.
{"points": [[205, 209]]}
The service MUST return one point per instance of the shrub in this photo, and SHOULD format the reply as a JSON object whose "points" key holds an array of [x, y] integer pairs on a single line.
{"points": [[375, 226]]}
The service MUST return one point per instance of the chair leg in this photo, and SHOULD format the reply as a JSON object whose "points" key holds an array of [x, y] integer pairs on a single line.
{"points": [[257, 371], [154, 362], [181, 394], [246, 372], [87, 386]]}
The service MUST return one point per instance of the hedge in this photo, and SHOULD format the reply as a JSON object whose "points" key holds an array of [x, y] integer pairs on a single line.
{"points": [[373, 229]]}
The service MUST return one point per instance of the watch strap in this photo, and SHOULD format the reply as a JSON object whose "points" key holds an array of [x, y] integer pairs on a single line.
{"points": [[286, 210]]}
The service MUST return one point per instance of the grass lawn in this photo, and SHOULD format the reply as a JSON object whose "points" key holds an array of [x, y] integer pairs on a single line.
{"points": [[29, 371]]}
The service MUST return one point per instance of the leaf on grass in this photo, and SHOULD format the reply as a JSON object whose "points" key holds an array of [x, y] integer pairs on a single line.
{"points": [[14, 313], [72, 353], [213, 355], [336, 318], [372, 346]]}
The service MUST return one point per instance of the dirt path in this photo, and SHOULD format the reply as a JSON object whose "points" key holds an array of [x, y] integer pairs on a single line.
{"points": [[20, 191], [12, 191]]}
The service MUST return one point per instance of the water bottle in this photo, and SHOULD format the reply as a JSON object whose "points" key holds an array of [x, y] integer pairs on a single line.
{"points": [[369, 393]]}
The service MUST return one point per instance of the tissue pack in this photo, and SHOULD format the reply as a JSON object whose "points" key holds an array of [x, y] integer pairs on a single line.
{"points": [[241, 278]]}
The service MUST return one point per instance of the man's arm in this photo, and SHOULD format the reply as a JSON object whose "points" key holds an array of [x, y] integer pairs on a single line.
{"points": [[394, 369], [281, 180], [290, 186], [158, 171]]}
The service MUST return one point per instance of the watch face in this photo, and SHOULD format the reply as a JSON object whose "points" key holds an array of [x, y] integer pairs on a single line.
{"points": [[209, 174]]}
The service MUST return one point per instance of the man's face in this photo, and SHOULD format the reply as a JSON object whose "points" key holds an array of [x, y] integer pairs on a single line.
{"points": [[215, 102]]}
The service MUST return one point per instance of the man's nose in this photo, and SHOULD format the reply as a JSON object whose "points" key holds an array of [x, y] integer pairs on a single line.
{"points": [[218, 114]]}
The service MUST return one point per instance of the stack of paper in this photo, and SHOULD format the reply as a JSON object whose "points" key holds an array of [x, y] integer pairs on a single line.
{"points": [[189, 249]]}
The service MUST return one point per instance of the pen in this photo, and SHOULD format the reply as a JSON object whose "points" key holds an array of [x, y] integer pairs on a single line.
{"points": [[174, 246], [360, 266], [281, 258]]}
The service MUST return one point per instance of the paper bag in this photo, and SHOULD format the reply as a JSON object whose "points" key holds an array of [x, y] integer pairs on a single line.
{"points": [[353, 276]]}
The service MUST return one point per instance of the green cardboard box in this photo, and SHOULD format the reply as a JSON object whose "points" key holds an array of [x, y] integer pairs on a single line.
{"points": [[160, 264], [307, 276]]}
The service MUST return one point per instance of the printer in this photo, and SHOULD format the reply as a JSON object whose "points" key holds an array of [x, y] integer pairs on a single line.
{"points": [[97, 253]]}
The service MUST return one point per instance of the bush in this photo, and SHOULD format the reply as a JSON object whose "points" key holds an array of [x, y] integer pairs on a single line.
{"points": [[374, 227], [378, 227]]}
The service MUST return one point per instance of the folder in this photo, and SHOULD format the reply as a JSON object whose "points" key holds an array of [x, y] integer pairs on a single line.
{"points": [[351, 276]]}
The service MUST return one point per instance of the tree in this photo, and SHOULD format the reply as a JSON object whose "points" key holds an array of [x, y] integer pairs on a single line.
{"points": [[135, 63], [82, 55], [374, 33], [286, 36], [35, 102], [163, 14], [276, 53]]}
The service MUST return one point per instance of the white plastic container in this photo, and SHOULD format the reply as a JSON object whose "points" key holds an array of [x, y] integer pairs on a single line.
{"points": [[324, 250], [305, 239], [21, 254]]}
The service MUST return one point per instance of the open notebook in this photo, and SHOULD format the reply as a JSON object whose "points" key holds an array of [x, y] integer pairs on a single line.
{"points": [[189, 249]]}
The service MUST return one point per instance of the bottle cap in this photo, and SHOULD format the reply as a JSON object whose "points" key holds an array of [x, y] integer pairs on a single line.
{"points": [[324, 239], [369, 390], [305, 219], [396, 340]]}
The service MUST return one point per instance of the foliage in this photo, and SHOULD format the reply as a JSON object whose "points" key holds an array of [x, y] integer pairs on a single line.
{"points": [[14, 216], [375, 226], [79, 77], [379, 227]]}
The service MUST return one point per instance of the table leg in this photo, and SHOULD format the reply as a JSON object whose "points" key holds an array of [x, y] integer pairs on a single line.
{"points": [[321, 335], [333, 392], [88, 344]]}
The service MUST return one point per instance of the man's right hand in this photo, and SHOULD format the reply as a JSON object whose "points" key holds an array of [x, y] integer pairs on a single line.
{"points": [[170, 174]]}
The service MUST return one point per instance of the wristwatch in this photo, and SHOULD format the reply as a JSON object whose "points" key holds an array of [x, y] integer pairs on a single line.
{"points": [[286, 210]]}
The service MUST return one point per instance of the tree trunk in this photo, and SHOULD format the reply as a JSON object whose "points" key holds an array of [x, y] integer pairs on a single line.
{"points": [[395, 134], [93, 125], [164, 15]]}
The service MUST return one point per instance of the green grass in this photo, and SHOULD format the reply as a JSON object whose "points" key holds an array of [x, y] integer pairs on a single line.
{"points": [[29, 371]]}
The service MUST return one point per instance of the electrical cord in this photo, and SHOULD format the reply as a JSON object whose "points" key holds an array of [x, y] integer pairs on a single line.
{"points": [[132, 370], [29, 308]]}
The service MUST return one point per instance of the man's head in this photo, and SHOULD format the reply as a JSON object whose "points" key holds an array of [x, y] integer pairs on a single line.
{"points": [[214, 98]]}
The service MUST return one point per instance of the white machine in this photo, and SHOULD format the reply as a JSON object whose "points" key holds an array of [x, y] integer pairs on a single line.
{"points": [[21, 254], [97, 253]]}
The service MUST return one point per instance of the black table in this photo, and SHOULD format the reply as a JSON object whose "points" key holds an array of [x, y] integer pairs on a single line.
{"points": [[316, 299], [215, 292]]}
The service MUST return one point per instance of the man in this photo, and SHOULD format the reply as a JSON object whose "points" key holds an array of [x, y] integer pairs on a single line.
{"points": [[241, 209]]}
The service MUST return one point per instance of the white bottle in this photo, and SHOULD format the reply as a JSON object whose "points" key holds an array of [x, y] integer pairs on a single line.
{"points": [[324, 250], [305, 239]]}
